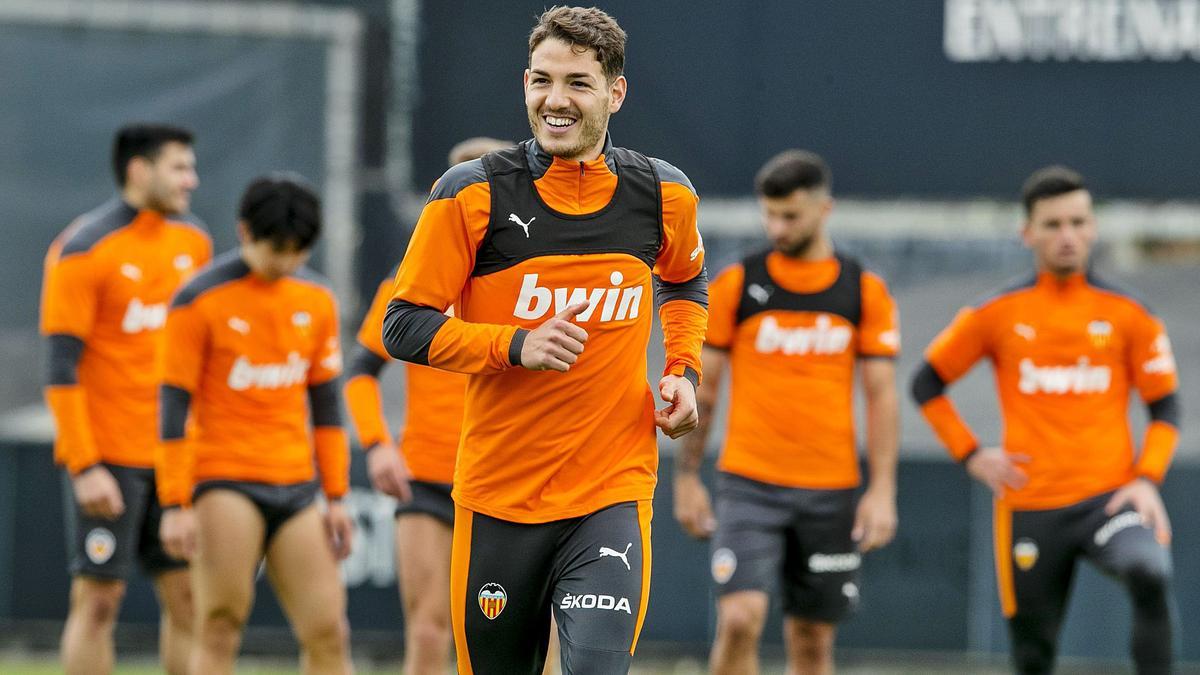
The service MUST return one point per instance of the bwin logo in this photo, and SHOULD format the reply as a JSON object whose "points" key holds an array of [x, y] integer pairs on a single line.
{"points": [[616, 303], [821, 338], [139, 317], [245, 374], [1081, 378], [592, 601]]}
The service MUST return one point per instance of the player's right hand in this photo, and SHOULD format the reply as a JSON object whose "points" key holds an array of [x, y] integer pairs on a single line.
{"points": [[389, 473], [178, 533], [998, 469], [557, 343], [693, 508], [98, 493]]}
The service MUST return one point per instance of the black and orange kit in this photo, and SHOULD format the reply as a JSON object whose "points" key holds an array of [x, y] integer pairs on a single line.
{"points": [[564, 463], [108, 279], [1066, 354], [256, 363], [795, 331]]}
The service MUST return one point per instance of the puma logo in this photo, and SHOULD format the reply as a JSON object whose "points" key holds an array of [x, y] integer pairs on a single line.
{"points": [[606, 551], [512, 217]]}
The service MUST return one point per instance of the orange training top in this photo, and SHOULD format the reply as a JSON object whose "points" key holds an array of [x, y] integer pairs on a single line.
{"points": [[433, 402], [541, 446], [1065, 354], [794, 336], [108, 279], [250, 352]]}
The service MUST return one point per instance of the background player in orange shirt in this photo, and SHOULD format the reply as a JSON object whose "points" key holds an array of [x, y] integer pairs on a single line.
{"points": [[561, 241], [108, 279], [1066, 348], [252, 351], [794, 325]]}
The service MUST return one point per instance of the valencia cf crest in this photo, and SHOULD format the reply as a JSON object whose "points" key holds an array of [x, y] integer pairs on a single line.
{"points": [[492, 600], [1026, 554], [1100, 333]]}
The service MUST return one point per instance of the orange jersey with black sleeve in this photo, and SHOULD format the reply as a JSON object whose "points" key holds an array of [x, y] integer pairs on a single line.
{"points": [[511, 240], [256, 362], [794, 331], [433, 401], [1065, 355], [107, 281]]}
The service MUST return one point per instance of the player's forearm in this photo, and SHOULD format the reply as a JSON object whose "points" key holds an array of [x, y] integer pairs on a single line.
{"points": [[928, 391], [330, 442], [690, 453], [332, 448], [1160, 439], [684, 322], [425, 336], [68, 403], [364, 400], [883, 438], [174, 457]]}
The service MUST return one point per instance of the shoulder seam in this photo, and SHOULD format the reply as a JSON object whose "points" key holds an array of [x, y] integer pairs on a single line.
{"points": [[668, 173], [458, 178]]}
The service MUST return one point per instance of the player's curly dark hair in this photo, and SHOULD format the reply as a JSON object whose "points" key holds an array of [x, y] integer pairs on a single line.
{"points": [[586, 28], [282, 208]]}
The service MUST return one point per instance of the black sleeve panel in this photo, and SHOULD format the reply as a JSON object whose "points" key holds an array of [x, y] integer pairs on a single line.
{"points": [[408, 330], [695, 290], [173, 405], [1166, 409], [926, 384], [325, 403], [363, 361], [62, 359]]}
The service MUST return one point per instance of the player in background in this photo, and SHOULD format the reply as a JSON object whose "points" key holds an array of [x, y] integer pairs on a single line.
{"points": [[1066, 348], [551, 253], [794, 325], [252, 353], [108, 279]]}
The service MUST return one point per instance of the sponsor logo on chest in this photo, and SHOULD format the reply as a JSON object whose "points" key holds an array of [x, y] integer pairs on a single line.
{"points": [[142, 317], [612, 303], [247, 375], [822, 338], [1079, 378]]}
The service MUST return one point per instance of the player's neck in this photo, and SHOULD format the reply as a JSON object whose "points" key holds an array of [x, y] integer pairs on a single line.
{"points": [[820, 248], [1060, 276], [135, 198]]}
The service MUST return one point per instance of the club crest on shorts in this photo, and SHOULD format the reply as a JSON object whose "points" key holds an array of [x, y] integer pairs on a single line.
{"points": [[492, 600], [1025, 552], [100, 545], [724, 562]]}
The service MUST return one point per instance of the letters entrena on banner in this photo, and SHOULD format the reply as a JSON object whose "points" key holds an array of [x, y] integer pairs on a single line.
{"points": [[1072, 30]]}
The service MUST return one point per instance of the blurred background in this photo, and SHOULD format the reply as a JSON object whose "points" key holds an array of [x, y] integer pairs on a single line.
{"points": [[931, 113]]}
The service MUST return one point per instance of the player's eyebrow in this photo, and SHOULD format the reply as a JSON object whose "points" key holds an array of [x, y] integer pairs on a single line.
{"points": [[569, 76]]}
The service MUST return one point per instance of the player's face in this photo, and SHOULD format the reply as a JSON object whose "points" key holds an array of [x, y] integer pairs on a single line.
{"points": [[568, 100], [1060, 231], [269, 260], [794, 222], [171, 178]]}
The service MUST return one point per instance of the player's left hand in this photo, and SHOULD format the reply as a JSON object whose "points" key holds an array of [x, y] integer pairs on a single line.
{"points": [[340, 529], [1143, 496], [875, 519], [679, 417]]}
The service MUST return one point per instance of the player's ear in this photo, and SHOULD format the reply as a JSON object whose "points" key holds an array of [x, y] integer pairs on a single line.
{"points": [[243, 232], [617, 90]]}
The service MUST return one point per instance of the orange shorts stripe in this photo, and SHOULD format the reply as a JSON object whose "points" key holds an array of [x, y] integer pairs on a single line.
{"points": [[645, 514], [460, 567], [1002, 529]]}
